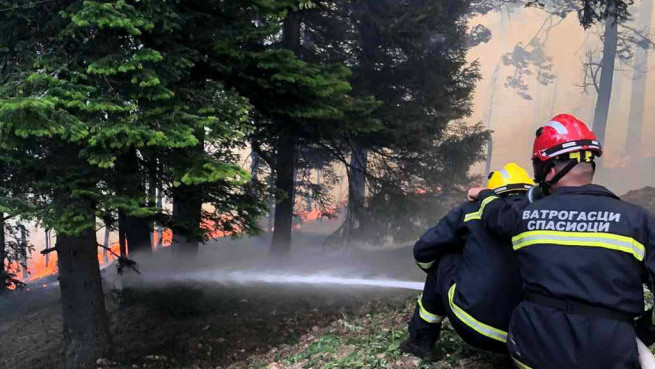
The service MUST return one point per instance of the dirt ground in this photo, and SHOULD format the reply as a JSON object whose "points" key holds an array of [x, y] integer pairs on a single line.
{"points": [[188, 326], [208, 325]]}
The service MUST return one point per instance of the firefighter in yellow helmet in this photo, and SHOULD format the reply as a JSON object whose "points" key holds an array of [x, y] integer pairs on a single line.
{"points": [[472, 275]]}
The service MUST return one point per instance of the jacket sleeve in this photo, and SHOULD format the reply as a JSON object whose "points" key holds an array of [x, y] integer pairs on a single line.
{"points": [[446, 236], [500, 215]]}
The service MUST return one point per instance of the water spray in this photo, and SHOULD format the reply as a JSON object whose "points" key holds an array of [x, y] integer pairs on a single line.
{"points": [[252, 277]]}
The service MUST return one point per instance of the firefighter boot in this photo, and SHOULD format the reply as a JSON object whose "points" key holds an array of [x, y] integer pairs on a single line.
{"points": [[423, 336]]}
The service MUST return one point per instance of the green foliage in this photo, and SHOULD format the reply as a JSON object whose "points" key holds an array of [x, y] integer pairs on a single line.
{"points": [[372, 342], [100, 79], [414, 87]]}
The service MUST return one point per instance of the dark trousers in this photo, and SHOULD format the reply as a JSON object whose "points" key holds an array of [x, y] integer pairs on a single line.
{"points": [[545, 338], [425, 329]]}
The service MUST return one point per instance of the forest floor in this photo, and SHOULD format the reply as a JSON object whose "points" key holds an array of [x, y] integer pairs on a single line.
{"points": [[272, 328], [199, 324]]}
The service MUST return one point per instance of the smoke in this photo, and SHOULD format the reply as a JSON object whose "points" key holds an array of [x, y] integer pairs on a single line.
{"points": [[628, 159], [247, 262]]}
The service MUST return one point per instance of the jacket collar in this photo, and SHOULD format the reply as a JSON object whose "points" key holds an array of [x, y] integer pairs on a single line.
{"points": [[591, 189]]}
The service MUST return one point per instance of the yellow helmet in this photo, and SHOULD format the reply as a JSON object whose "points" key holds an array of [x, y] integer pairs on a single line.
{"points": [[509, 179]]}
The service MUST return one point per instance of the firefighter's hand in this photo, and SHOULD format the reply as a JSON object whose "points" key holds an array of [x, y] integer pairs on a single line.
{"points": [[473, 193]]}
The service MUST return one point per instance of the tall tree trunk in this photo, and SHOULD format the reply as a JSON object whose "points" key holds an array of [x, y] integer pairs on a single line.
{"points": [[606, 74], [122, 237], [286, 157], [3, 275], [187, 209], [153, 185], [187, 213], [105, 243], [270, 205], [47, 246], [254, 165], [254, 171], [23, 250], [284, 193], [86, 331], [357, 187], [633, 140], [137, 229], [489, 119], [159, 228]]}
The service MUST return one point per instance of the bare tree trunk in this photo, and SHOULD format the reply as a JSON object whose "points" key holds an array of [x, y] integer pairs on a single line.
{"points": [[47, 246], [105, 253], [357, 187], [284, 194], [286, 158], [122, 237], [187, 208], [271, 204], [489, 119], [187, 213], [23, 250], [633, 140], [159, 228], [86, 331], [606, 74], [137, 229], [3, 275], [153, 186]]}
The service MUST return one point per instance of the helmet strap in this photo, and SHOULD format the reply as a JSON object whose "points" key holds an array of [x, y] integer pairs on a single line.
{"points": [[564, 171], [574, 159]]}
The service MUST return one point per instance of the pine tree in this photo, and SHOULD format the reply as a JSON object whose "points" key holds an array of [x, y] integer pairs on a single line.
{"points": [[85, 93], [409, 58]]}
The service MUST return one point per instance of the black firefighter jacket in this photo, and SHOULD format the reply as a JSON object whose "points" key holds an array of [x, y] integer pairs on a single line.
{"points": [[488, 285], [578, 244]]}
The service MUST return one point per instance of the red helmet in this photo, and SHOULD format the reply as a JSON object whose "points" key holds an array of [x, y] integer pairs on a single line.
{"points": [[564, 134]]}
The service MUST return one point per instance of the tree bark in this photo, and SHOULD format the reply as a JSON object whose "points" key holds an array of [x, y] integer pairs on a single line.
{"points": [[187, 213], [153, 186], [357, 187], [606, 74], [489, 119], [122, 238], [284, 193], [47, 246], [270, 205], [187, 207], [286, 157], [23, 250], [137, 229], [3, 275], [86, 331], [633, 140], [105, 253]]}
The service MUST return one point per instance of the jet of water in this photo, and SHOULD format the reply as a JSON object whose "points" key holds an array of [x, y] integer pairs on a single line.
{"points": [[253, 277]]}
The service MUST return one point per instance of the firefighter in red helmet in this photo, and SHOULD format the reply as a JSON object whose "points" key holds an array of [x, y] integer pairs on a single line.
{"points": [[563, 139], [583, 255]]}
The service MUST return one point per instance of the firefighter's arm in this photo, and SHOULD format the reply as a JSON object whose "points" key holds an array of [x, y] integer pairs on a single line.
{"points": [[499, 215], [445, 237]]}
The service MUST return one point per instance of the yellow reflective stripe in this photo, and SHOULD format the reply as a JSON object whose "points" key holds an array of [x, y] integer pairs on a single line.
{"points": [[478, 214], [582, 239], [426, 315], [425, 265], [520, 364], [483, 329]]}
